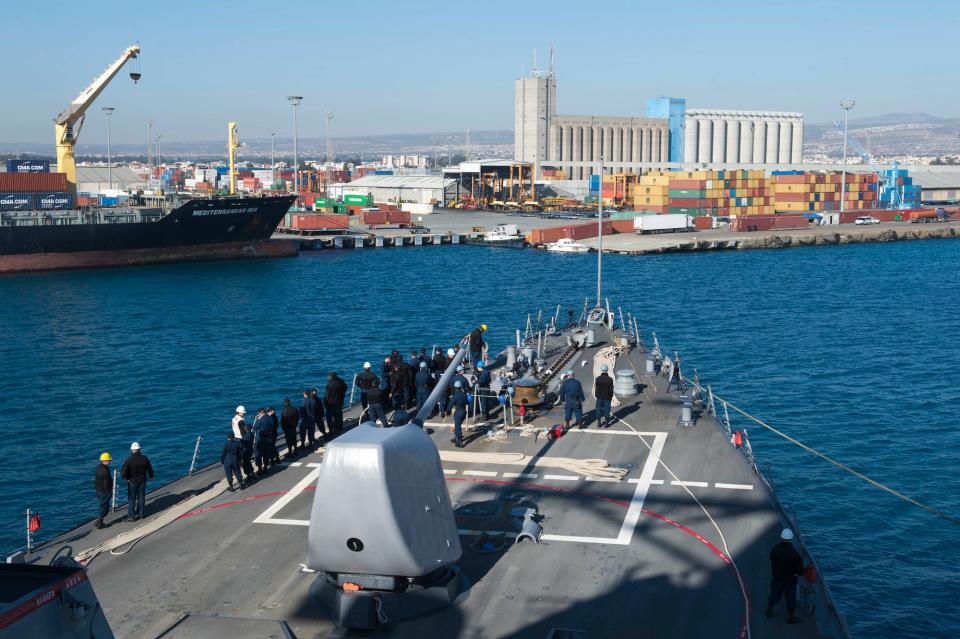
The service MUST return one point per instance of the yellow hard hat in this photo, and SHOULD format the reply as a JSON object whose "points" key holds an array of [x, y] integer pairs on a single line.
{"points": [[105, 457], [483, 327]]}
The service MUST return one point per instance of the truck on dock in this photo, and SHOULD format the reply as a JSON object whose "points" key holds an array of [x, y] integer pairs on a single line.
{"points": [[666, 223]]}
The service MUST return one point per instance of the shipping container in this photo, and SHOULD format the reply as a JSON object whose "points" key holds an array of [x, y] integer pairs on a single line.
{"points": [[59, 201], [32, 182], [314, 222], [16, 201], [668, 223], [28, 166], [362, 200]]}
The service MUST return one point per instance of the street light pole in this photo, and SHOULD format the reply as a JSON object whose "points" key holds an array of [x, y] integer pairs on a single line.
{"points": [[109, 112], [846, 105], [600, 235], [295, 100]]}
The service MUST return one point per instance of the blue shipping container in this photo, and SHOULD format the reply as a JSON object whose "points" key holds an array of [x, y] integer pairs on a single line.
{"points": [[223, 170], [16, 201], [106, 200], [594, 182], [383, 172], [28, 166], [58, 201]]}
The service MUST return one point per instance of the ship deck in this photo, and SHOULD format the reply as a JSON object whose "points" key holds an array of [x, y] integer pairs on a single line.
{"points": [[638, 557]]}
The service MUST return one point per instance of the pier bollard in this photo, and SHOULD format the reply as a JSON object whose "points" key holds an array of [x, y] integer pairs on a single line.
{"points": [[686, 411], [625, 383], [650, 366], [591, 337]]}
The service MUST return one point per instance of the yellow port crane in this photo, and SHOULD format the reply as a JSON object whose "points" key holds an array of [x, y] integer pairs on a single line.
{"points": [[67, 125], [233, 143]]}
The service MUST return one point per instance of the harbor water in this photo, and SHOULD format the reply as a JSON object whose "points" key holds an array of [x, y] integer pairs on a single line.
{"points": [[849, 349]]}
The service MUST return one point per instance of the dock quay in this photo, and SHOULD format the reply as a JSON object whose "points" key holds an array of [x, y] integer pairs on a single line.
{"points": [[358, 241]]}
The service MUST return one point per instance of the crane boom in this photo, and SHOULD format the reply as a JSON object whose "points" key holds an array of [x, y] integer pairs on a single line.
{"points": [[67, 125]]}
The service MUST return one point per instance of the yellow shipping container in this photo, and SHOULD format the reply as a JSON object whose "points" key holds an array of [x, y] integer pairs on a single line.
{"points": [[655, 180]]}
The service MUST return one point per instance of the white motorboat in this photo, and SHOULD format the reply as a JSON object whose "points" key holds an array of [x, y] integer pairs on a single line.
{"points": [[566, 245]]}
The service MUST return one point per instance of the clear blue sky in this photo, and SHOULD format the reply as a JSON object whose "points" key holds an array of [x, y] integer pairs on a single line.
{"points": [[408, 66]]}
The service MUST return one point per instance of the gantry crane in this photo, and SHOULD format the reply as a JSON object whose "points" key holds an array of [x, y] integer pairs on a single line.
{"points": [[233, 143], [67, 125]]}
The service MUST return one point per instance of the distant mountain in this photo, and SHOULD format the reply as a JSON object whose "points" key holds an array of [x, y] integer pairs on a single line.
{"points": [[367, 146], [889, 135]]}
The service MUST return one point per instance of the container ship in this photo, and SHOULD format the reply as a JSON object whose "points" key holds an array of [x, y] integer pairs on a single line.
{"points": [[46, 232]]}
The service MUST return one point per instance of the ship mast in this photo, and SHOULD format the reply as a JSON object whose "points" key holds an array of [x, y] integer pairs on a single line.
{"points": [[600, 235]]}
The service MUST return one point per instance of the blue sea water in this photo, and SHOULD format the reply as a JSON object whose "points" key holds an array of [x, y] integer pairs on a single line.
{"points": [[850, 349]]}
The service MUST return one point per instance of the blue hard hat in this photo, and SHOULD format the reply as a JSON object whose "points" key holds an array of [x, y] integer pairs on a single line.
{"points": [[604, 368], [460, 368], [480, 365], [423, 364]]}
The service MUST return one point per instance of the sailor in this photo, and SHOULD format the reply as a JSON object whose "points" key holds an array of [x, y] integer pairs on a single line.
{"points": [[288, 422], [570, 315], [437, 364], [136, 470], [375, 397], [387, 367], [603, 391], [307, 418], [458, 403], [317, 413], [230, 458], [395, 386], [424, 382], [674, 375], [476, 343], [571, 394], [237, 418], [407, 383], [274, 434], [103, 485], [333, 399], [246, 451], [483, 389], [785, 565], [365, 380], [262, 426]]}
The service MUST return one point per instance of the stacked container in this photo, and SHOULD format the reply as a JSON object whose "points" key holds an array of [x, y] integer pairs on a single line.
{"points": [[898, 189], [799, 192], [26, 191], [699, 193]]}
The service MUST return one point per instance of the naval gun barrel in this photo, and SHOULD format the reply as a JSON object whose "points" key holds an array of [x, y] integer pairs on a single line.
{"points": [[441, 386]]}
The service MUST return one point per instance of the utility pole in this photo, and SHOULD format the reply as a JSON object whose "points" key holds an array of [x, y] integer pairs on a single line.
{"points": [[149, 142], [109, 111], [329, 115], [295, 101], [846, 105], [159, 157], [466, 150], [273, 162]]}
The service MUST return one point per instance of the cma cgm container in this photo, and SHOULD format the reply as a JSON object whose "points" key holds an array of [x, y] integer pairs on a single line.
{"points": [[16, 201], [28, 166], [54, 201]]}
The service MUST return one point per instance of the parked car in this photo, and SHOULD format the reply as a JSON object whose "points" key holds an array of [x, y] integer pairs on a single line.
{"points": [[866, 219]]}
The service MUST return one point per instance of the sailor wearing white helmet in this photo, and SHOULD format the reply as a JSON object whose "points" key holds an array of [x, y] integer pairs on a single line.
{"points": [[235, 422], [603, 391], [365, 380], [786, 565]]}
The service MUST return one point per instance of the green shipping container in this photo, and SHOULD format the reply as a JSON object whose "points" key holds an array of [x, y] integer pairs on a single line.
{"points": [[687, 193], [686, 211], [323, 202], [623, 215], [363, 200]]}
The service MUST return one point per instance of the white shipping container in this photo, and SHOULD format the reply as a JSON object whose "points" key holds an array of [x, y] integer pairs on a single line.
{"points": [[667, 223], [417, 209]]}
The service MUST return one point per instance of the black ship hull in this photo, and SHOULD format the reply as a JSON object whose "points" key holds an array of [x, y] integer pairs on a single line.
{"points": [[198, 230]]}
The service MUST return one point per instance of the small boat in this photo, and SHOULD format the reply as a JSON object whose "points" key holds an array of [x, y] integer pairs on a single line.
{"points": [[501, 235], [566, 245]]}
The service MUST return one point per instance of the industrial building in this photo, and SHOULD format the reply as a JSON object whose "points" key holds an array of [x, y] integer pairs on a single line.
{"points": [[742, 137], [669, 132], [418, 189], [97, 179]]}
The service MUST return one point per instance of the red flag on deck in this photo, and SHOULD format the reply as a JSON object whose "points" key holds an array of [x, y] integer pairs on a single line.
{"points": [[34, 524]]}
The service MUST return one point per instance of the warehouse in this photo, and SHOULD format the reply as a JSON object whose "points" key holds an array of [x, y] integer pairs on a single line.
{"points": [[419, 189], [96, 179], [939, 185]]}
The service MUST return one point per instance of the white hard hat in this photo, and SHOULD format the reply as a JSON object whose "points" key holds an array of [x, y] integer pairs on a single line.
{"points": [[241, 410], [786, 535], [451, 352], [423, 364], [569, 373], [367, 365], [134, 446], [460, 368]]}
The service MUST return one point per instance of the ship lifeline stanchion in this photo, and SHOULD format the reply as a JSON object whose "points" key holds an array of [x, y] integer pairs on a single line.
{"points": [[113, 500], [196, 453]]}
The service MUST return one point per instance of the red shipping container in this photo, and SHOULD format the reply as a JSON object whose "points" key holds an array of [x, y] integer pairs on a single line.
{"points": [[313, 221], [790, 179], [689, 203], [703, 222], [32, 182], [377, 218], [688, 184], [398, 217]]}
